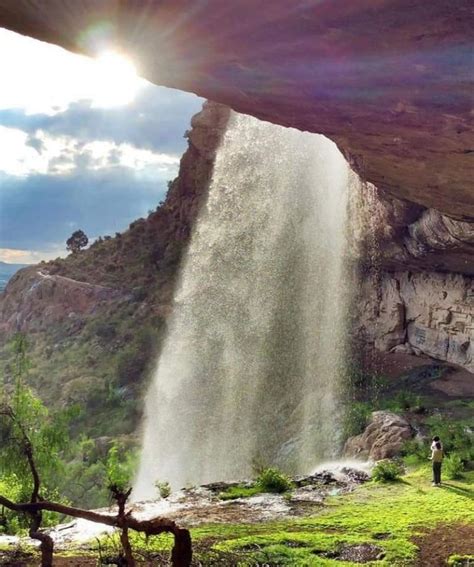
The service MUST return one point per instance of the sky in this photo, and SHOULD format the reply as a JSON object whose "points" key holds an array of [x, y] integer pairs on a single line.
{"points": [[84, 144]]}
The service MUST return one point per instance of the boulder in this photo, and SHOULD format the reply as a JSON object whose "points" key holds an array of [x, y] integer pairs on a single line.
{"points": [[382, 439]]}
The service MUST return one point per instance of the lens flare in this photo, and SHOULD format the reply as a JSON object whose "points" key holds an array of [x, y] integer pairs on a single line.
{"points": [[116, 80]]}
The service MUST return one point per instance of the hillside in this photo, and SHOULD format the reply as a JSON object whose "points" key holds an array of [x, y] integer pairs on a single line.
{"points": [[94, 320], [7, 270]]}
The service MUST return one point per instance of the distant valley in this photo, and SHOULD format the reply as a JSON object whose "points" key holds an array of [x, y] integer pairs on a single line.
{"points": [[7, 271]]}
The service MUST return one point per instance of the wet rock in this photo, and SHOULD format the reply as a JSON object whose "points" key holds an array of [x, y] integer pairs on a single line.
{"points": [[324, 477], [382, 535], [382, 439], [355, 475], [361, 553], [223, 486]]}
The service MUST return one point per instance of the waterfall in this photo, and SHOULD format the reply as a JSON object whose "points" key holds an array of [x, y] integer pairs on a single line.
{"points": [[252, 363]]}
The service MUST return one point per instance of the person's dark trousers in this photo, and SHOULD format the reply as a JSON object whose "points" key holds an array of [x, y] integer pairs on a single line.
{"points": [[437, 473]]}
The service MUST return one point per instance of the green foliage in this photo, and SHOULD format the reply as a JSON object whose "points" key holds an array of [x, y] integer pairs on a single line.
{"points": [[132, 362], [387, 471], [25, 419], [401, 402], [163, 488], [120, 468], [361, 385], [76, 241], [356, 418], [415, 451], [455, 437], [460, 560], [399, 510], [453, 467], [273, 480], [10, 521], [29, 430], [411, 460], [234, 492]]}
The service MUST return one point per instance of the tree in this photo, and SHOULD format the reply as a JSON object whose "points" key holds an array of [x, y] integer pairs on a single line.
{"points": [[30, 443], [76, 241]]}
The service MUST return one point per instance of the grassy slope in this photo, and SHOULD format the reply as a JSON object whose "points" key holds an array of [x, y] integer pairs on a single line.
{"points": [[399, 511], [389, 516]]}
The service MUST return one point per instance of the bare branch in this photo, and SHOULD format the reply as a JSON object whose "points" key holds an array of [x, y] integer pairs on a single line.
{"points": [[182, 550]]}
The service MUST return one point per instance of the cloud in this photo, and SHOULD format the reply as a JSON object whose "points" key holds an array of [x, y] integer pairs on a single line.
{"points": [[12, 256], [39, 212], [70, 158], [43, 153], [155, 120]]}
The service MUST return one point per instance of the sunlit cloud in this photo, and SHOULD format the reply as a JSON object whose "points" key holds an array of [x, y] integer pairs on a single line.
{"points": [[45, 79], [83, 144], [23, 154], [13, 256]]}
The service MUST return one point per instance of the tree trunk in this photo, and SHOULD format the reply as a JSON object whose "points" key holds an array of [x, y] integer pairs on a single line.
{"points": [[182, 551]]}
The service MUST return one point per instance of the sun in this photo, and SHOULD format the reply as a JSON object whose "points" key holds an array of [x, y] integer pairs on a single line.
{"points": [[115, 80]]}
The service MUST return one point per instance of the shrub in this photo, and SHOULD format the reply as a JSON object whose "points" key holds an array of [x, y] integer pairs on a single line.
{"points": [[460, 560], [403, 401], [234, 492], [356, 419], [453, 467], [456, 437], [411, 460], [361, 384], [415, 450], [120, 467], [164, 488], [387, 471], [273, 480]]}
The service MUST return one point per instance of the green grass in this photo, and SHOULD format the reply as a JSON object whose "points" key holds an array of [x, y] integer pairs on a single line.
{"points": [[398, 511], [235, 492]]}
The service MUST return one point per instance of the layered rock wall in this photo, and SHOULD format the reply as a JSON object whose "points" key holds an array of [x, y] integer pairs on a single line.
{"points": [[428, 313]]}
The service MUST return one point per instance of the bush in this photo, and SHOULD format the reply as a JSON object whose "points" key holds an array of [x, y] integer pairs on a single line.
{"points": [[453, 467], [387, 471], [415, 450], [460, 560], [356, 419], [455, 437], [403, 401], [360, 384], [272, 480], [164, 488], [234, 492]]}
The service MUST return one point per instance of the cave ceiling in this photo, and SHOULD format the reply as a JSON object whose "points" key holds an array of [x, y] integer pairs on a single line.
{"points": [[390, 81]]}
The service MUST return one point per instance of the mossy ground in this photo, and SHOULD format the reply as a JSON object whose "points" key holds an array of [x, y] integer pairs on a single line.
{"points": [[395, 517], [390, 516]]}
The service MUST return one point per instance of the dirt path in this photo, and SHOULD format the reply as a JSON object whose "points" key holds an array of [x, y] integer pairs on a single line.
{"points": [[438, 544]]}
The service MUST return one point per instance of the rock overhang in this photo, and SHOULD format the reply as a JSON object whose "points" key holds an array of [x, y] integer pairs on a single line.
{"points": [[390, 81]]}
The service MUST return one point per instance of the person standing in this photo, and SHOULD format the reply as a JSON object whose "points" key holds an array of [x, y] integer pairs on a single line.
{"points": [[436, 460]]}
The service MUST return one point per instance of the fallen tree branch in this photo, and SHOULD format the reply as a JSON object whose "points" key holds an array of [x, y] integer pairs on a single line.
{"points": [[181, 554]]}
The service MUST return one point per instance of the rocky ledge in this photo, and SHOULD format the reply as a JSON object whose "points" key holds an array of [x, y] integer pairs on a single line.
{"points": [[203, 505], [35, 299]]}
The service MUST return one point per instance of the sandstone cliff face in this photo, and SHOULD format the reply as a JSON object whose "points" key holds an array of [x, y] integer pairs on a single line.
{"points": [[399, 235], [426, 312]]}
